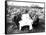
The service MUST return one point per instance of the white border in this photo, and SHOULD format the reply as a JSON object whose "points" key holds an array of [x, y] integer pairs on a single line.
{"points": [[12, 3]]}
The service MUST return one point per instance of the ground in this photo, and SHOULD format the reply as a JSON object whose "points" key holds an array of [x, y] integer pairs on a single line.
{"points": [[39, 28]]}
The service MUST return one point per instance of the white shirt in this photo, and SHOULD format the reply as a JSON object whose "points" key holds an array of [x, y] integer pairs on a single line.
{"points": [[26, 20]]}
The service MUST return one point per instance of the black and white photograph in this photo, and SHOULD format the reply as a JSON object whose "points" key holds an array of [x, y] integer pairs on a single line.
{"points": [[24, 17]]}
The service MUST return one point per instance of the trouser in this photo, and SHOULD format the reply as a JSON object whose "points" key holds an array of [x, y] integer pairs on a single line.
{"points": [[30, 27]]}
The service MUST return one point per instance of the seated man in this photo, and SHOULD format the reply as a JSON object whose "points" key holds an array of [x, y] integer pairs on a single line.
{"points": [[16, 20], [35, 22]]}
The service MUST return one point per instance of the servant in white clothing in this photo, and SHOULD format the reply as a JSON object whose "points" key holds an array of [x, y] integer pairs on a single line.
{"points": [[26, 20]]}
